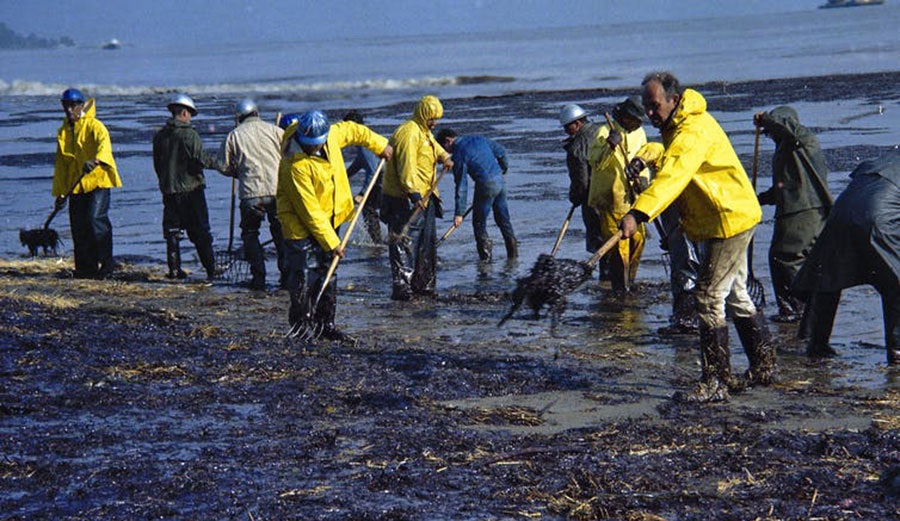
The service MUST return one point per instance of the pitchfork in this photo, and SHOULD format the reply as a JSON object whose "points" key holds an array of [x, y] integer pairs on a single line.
{"points": [[308, 328], [754, 287]]}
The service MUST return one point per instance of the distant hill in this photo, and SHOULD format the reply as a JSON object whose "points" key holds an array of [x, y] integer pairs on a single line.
{"points": [[10, 39]]}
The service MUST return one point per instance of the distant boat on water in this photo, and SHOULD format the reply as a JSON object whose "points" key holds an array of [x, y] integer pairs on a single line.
{"points": [[111, 45], [849, 3]]}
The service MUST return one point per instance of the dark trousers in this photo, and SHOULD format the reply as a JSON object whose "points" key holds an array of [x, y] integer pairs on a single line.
{"points": [[306, 264], [253, 211], [684, 260], [792, 240], [91, 233], [187, 211], [822, 308], [492, 196], [412, 269]]}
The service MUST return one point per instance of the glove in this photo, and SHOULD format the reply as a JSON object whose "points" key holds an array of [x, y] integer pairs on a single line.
{"points": [[635, 167], [614, 139], [90, 165], [415, 197]]}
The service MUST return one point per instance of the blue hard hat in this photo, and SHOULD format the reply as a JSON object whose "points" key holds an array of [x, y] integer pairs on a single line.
{"points": [[72, 95], [287, 119], [312, 128]]}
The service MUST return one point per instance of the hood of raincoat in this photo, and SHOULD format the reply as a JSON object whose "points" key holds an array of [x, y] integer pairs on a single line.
{"points": [[429, 107], [87, 139], [799, 170]]}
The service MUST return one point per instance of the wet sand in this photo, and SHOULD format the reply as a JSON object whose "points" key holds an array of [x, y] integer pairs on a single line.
{"points": [[138, 398]]}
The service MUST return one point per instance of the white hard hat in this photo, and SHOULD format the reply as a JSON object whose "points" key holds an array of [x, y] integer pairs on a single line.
{"points": [[570, 113], [245, 107], [185, 101]]}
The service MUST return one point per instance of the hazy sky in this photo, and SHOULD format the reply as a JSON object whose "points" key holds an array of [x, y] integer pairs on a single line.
{"points": [[208, 21]]}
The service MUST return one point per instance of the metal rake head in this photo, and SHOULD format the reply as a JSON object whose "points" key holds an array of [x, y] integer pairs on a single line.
{"points": [[306, 330], [231, 267], [757, 292]]}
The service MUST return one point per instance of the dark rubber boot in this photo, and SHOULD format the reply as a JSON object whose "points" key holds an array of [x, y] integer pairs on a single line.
{"points": [[757, 343], [512, 247], [485, 248], [820, 317], [173, 258], [715, 362]]}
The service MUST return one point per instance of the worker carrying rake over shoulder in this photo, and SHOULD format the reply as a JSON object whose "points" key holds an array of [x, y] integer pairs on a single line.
{"points": [[611, 193], [699, 170], [84, 160], [314, 198], [410, 182]]}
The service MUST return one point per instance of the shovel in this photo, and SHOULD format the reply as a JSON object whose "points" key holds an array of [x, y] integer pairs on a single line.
{"points": [[308, 328], [754, 287], [453, 228]]}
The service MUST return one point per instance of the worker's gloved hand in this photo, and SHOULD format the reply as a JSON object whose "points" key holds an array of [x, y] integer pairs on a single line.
{"points": [[758, 118], [60, 202], [387, 153], [416, 199], [89, 165], [635, 167], [338, 251], [448, 164], [614, 139], [663, 244]]}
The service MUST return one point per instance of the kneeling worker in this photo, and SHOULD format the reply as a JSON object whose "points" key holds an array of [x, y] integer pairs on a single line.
{"points": [[314, 199]]}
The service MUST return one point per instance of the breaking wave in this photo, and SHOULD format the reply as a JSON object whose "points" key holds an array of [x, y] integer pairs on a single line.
{"points": [[36, 88]]}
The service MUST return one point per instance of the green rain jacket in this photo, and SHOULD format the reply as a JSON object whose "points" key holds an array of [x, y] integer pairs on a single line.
{"points": [[178, 158], [799, 171]]}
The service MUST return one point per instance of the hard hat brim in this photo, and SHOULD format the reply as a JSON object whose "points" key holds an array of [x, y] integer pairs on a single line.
{"points": [[192, 110], [311, 141]]}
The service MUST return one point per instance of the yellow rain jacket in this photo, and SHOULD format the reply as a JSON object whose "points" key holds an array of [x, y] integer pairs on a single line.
{"points": [[87, 140], [609, 186], [416, 151], [313, 196], [700, 170]]}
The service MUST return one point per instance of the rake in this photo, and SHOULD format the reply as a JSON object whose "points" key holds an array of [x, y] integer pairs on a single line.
{"points": [[754, 287], [404, 232], [453, 228], [226, 259], [562, 231], [308, 329], [552, 280]]}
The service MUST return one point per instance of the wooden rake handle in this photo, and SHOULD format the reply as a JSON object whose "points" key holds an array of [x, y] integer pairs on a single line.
{"points": [[425, 200], [346, 239], [562, 231], [608, 245], [453, 227]]}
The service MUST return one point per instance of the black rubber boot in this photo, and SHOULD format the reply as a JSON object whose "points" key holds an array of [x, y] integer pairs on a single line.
{"points": [[173, 258], [715, 362], [820, 313], [512, 247], [485, 248], [890, 306], [757, 343]]}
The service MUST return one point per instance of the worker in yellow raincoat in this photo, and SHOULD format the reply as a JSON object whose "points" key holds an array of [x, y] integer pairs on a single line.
{"points": [[313, 199], [699, 170], [85, 166], [407, 180], [611, 192]]}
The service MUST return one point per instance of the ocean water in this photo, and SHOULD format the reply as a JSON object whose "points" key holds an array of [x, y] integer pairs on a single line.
{"points": [[132, 84]]}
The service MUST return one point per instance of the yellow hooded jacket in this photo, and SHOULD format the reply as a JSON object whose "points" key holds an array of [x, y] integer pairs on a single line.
{"points": [[313, 196], [700, 170], [87, 140], [415, 152], [609, 186]]}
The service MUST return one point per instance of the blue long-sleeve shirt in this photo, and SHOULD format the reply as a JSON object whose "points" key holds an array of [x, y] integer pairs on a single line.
{"points": [[479, 157], [363, 160]]}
